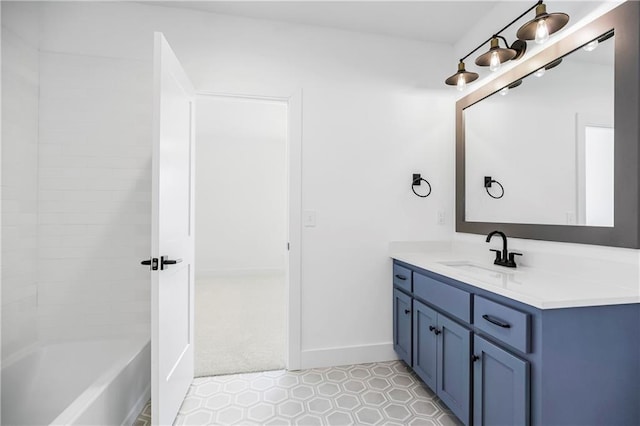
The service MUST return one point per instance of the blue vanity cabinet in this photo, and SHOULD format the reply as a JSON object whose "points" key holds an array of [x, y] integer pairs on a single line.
{"points": [[402, 335], [454, 379], [440, 347], [499, 361], [500, 386], [425, 344], [441, 353]]}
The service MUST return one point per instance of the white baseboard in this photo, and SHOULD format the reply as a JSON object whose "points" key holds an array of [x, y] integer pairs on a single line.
{"points": [[346, 355]]}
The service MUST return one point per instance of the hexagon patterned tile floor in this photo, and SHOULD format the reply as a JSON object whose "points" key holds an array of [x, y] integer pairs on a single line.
{"points": [[383, 393]]}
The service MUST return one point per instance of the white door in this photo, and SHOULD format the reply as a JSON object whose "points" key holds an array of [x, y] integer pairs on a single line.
{"points": [[172, 242]]}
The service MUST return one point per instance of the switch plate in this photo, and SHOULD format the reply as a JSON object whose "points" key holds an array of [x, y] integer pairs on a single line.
{"points": [[309, 218], [442, 217]]}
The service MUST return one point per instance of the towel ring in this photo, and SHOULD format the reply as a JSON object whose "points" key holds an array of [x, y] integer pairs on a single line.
{"points": [[487, 184], [416, 182]]}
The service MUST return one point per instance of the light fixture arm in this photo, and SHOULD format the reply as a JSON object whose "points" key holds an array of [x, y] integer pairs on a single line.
{"points": [[497, 34], [506, 43]]}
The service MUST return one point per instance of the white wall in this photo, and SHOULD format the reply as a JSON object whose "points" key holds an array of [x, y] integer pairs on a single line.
{"points": [[374, 111], [241, 195], [19, 176], [94, 195]]}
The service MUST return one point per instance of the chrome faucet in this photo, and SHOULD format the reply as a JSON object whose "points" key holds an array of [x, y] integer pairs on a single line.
{"points": [[505, 258]]}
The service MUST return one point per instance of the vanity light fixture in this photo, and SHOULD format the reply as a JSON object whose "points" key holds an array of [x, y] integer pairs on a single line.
{"points": [[461, 78], [496, 56], [543, 25], [540, 72]]}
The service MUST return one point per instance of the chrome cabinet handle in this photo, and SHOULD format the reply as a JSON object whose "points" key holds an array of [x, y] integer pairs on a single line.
{"points": [[496, 322]]}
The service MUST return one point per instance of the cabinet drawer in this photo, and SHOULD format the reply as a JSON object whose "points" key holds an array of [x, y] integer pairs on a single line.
{"points": [[502, 322], [402, 277], [450, 299]]}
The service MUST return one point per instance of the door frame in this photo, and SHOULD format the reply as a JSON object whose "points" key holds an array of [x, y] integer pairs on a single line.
{"points": [[294, 217]]}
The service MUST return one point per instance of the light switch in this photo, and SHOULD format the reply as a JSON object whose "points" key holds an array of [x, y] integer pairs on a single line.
{"points": [[442, 217], [309, 218]]}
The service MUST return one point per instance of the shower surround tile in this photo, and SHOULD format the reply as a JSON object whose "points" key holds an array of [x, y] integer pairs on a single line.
{"points": [[384, 393]]}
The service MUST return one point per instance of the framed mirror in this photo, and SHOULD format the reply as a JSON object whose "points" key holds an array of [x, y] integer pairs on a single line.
{"points": [[549, 150]]}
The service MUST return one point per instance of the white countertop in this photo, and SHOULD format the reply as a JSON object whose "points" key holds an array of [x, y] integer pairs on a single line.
{"points": [[538, 287]]}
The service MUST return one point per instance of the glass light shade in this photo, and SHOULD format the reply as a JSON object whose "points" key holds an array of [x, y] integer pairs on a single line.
{"points": [[462, 83], [542, 31], [540, 72], [494, 63], [504, 91]]}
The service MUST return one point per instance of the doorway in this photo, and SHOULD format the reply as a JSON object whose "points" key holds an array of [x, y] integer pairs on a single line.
{"points": [[241, 260]]}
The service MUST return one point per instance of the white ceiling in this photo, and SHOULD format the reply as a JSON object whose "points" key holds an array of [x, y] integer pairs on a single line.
{"points": [[439, 21]]}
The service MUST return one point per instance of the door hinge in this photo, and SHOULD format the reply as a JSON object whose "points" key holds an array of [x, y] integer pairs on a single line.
{"points": [[288, 246], [152, 263]]}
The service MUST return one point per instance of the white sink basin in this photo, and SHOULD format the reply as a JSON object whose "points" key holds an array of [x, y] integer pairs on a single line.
{"points": [[487, 274]]}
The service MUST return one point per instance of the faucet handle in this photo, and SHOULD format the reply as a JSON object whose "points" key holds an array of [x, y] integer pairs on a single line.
{"points": [[498, 254], [512, 256]]}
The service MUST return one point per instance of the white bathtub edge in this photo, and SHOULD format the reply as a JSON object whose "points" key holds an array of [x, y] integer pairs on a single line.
{"points": [[137, 407], [78, 408]]}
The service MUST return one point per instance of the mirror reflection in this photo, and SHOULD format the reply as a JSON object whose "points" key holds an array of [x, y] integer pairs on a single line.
{"points": [[540, 151]]}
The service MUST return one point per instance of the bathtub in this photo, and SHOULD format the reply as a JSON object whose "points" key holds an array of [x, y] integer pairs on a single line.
{"points": [[93, 382]]}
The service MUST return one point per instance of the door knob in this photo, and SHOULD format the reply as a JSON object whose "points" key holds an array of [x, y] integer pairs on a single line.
{"points": [[164, 260]]}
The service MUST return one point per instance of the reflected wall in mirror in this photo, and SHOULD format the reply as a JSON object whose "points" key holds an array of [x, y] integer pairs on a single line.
{"points": [[549, 142], [550, 182]]}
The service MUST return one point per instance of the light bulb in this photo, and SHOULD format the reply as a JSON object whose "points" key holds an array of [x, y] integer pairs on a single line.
{"points": [[462, 84], [504, 91], [494, 63], [591, 46], [542, 32], [540, 72]]}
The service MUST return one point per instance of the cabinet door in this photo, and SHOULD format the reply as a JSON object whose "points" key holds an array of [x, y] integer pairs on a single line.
{"points": [[425, 341], [454, 367], [501, 386], [402, 325]]}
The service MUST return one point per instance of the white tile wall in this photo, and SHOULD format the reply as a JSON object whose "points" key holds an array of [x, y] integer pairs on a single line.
{"points": [[94, 196], [19, 177]]}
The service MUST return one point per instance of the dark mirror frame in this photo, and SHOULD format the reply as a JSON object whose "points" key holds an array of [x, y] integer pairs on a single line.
{"points": [[624, 21]]}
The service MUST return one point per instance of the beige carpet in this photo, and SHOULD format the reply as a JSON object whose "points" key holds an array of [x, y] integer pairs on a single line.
{"points": [[239, 324]]}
